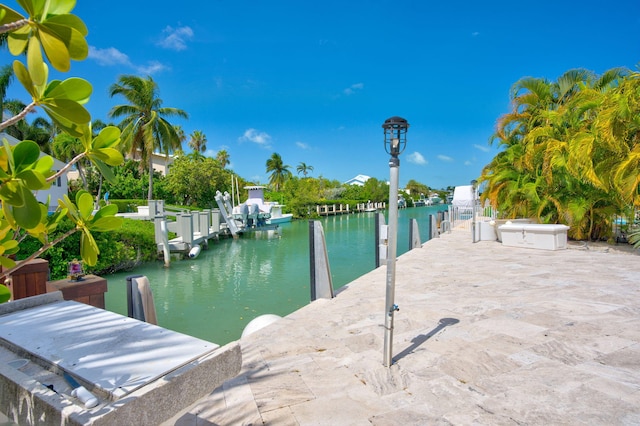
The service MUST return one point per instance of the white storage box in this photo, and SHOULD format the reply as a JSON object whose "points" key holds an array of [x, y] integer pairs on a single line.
{"points": [[485, 231], [538, 236], [500, 222]]}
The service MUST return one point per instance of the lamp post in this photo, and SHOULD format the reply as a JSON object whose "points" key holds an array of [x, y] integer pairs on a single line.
{"points": [[395, 140], [474, 184]]}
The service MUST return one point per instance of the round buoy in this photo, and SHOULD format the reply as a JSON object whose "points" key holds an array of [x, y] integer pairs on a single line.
{"points": [[258, 323]]}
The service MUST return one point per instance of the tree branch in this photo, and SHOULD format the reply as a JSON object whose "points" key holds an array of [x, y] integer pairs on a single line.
{"points": [[11, 26], [38, 252], [13, 120], [67, 166]]}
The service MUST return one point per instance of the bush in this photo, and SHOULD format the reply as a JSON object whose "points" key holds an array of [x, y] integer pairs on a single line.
{"points": [[120, 250]]}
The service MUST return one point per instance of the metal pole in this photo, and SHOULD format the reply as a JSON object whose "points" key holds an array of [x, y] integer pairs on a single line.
{"points": [[390, 306], [473, 210]]}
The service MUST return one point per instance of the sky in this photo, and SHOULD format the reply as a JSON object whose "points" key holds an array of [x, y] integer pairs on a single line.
{"points": [[314, 80]]}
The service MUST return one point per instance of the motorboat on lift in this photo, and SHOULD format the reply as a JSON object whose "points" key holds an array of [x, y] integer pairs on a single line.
{"points": [[256, 212]]}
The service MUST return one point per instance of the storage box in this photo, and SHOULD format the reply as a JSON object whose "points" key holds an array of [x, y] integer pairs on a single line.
{"points": [[90, 290], [500, 222], [538, 236], [29, 280]]}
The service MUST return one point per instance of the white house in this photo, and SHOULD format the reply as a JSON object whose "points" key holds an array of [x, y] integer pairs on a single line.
{"points": [[59, 187], [358, 180], [160, 162]]}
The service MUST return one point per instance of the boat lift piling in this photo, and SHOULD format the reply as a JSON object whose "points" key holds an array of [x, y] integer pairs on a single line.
{"points": [[321, 282], [227, 213], [414, 234]]}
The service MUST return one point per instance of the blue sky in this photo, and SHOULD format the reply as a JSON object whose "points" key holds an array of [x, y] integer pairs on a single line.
{"points": [[314, 81]]}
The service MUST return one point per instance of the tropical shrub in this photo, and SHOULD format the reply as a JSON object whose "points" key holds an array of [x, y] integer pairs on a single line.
{"points": [[570, 151], [120, 250], [48, 29]]}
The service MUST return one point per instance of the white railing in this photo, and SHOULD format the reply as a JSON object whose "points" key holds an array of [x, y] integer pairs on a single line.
{"points": [[462, 217]]}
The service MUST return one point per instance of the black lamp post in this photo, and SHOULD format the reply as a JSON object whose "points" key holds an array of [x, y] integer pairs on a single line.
{"points": [[395, 140]]}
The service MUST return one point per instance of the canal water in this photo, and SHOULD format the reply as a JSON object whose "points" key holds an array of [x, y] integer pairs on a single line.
{"points": [[214, 296]]}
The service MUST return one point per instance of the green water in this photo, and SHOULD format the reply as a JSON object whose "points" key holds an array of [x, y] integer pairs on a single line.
{"points": [[214, 296]]}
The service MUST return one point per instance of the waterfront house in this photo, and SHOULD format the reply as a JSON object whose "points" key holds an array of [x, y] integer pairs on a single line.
{"points": [[358, 180]]}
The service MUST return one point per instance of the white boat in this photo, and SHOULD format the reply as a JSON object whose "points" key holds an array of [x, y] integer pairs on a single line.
{"points": [[277, 216], [256, 212]]}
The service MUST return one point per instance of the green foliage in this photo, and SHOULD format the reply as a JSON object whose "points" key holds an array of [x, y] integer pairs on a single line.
{"points": [[301, 195], [120, 250], [416, 188], [570, 151], [193, 181], [49, 30], [376, 190], [634, 236]]}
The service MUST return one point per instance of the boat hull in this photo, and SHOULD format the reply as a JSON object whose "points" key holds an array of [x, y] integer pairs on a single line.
{"points": [[281, 219]]}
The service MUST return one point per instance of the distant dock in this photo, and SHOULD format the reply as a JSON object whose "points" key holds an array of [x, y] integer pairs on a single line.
{"points": [[336, 209]]}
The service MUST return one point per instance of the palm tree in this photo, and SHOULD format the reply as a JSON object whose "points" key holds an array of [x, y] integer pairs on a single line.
{"points": [[198, 142], [561, 152], [223, 158], [6, 77], [279, 171], [41, 131], [304, 168], [144, 126]]}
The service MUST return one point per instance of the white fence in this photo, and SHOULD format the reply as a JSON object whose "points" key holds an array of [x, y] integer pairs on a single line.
{"points": [[462, 217]]}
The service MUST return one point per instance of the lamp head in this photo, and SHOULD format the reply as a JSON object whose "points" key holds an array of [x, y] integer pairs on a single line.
{"points": [[395, 135]]}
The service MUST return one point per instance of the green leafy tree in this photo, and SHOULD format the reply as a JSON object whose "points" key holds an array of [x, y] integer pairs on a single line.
{"points": [[128, 183], [49, 29], [144, 126], [280, 172], [416, 188], [194, 182], [375, 190]]}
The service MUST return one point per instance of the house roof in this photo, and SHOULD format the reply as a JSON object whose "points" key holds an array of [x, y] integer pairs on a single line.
{"points": [[57, 164], [358, 180]]}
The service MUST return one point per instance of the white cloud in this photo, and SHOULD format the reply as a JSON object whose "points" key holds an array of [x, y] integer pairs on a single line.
{"points": [[109, 56], [113, 57], [445, 158], [152, 68], [176, 38], [353, 88], [302, 145], [417, 158], [482, 147], [260, 138], [467, 163]]}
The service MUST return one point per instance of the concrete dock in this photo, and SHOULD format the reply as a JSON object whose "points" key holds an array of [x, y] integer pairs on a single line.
{"points": [[486, 335]]}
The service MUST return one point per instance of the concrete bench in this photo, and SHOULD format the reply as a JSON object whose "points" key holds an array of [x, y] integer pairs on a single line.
{"points": [[537, 236]]}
